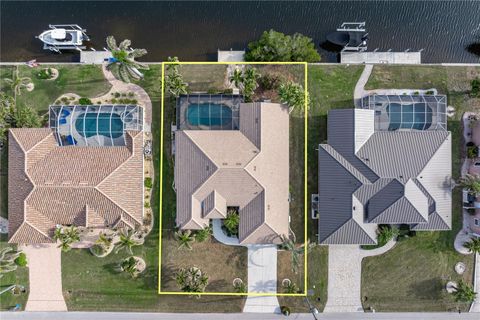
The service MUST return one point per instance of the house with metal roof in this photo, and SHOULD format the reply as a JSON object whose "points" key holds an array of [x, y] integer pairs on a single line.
{"points": [[79, 172], [379, 168], [219, 166]]}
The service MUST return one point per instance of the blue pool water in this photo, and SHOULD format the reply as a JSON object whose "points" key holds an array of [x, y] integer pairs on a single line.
{"points": [[206, 114], [105, 126], [409, 116]]}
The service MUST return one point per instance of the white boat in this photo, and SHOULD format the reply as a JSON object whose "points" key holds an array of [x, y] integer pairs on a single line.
{"points": [[63, 37]]}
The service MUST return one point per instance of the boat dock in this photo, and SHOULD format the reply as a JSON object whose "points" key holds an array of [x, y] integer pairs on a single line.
{"points": [[94, 57], [376, 57], [231, 56]]}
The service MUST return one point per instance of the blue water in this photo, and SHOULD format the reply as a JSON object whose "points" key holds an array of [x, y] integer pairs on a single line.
{"points": [[409, 116], [105, 126], [205, 114]]}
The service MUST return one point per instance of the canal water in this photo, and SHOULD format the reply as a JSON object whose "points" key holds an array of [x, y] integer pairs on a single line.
{"points": [[448, 31]]}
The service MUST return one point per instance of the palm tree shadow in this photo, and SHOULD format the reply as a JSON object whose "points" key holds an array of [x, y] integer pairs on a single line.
{"points": [[474, 48]]}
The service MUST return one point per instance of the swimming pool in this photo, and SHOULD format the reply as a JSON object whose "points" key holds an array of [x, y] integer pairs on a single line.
{"points": [[107, 124], [409, 116], [208, 114]]}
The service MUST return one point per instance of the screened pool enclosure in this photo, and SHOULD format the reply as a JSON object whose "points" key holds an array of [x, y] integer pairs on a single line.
{"points": [[408, 112], [94, 125]]}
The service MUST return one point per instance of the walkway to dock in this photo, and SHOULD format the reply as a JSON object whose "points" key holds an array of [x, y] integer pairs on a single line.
{"points": [[381, 57], [94, 57]]}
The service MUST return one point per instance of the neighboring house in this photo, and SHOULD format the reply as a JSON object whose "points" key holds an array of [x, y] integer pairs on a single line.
{"points": [[244, 165], [474, 169], [89, 179], [388, 163]]}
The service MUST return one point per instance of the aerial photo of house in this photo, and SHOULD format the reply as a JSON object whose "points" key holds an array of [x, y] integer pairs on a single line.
{"points": [[240, 161], [388, 162], [79, 172]]}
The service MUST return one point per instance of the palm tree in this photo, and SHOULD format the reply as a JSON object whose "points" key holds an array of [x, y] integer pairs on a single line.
{"points": [[104, 240], [289, 245], [239, 286], [124, 60], [290, 287], [66, 236], [185, 239], [473, 245], [237, 78], [7, 260], [172, 66], [464, 292], [175, 85], [129, 265], [17, 83], [250, 77], [232, 221], [293, 95], [204, 234], [191, 280], [126, 241], [471, 183]]}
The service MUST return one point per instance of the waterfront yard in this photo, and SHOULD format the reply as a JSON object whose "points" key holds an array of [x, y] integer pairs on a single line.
{"points": [[412, 276]]}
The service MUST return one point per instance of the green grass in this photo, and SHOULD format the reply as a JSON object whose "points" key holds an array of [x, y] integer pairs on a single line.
{"points": [[85, 80], [203, 77], [19, 277], [412, 276]]}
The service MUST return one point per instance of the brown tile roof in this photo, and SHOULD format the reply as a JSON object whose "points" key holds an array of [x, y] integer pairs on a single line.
{"points": [[249, 168], [71, 185]]}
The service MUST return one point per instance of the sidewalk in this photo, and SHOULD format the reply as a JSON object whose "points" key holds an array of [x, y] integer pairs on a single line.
{"points": [[45, 275]]}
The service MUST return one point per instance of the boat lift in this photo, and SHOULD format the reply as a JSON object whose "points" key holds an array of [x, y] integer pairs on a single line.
{"points": [[64, 37]]}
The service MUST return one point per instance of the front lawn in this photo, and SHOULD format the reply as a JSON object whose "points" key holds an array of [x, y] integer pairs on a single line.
{"points": [[18, 277], [412, 276]]}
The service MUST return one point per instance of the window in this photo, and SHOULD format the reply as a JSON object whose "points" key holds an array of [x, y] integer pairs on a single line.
{"points": [[476, 222]]}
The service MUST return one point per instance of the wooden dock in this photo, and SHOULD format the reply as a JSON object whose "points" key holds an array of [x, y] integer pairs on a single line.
{"points": [[381, 57], [94, 57]]}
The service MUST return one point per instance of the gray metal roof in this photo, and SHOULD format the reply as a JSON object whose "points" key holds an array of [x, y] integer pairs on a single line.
{"points": [[395, 177]]}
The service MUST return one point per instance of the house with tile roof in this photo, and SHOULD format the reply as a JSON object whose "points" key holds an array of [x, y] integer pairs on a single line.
{"points": [[371, 173], [246, 168], [52, 184]]}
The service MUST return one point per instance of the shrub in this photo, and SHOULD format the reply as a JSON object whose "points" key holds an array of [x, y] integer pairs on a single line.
{"points": [[117, 94], [475, 92], [148, 182], [204, 234], [44, 74], [113, 101], [386, 233], [84, 101], [429, 92], [276, 46], [416, 93], [269, 82], [146, 204], [131, 94], [285, 310], [228, 91], [64, 99], [133, 101], [231, 222], [21, 261], [471, 211], [212, 91], [470, 144], [472, 152], [97, 250]]}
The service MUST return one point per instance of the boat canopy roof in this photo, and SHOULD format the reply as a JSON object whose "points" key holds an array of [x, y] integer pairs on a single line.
{"points": [[59, 34]]}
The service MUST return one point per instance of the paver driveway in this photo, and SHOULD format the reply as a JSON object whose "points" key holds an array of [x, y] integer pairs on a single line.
{"points": [[45, 274]]}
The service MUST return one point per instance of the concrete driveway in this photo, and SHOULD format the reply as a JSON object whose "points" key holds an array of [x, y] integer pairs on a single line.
{"points": [[45, 275], [262, 278]]}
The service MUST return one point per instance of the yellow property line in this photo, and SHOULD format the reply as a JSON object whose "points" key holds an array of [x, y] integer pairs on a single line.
{"points": [[253, 294]]}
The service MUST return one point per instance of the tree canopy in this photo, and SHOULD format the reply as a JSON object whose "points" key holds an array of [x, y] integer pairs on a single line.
{"points": [[276, 46]]}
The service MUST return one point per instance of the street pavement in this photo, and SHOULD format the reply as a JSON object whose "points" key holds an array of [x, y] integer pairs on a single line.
{"points": [[231, 316]]}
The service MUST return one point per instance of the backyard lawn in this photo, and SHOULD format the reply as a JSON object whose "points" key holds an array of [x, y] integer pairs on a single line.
{"points": [[412, 276]]}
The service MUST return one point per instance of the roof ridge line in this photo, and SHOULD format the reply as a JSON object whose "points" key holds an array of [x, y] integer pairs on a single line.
{"points": [[43, 139], [355, 173], [115, 204]]}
